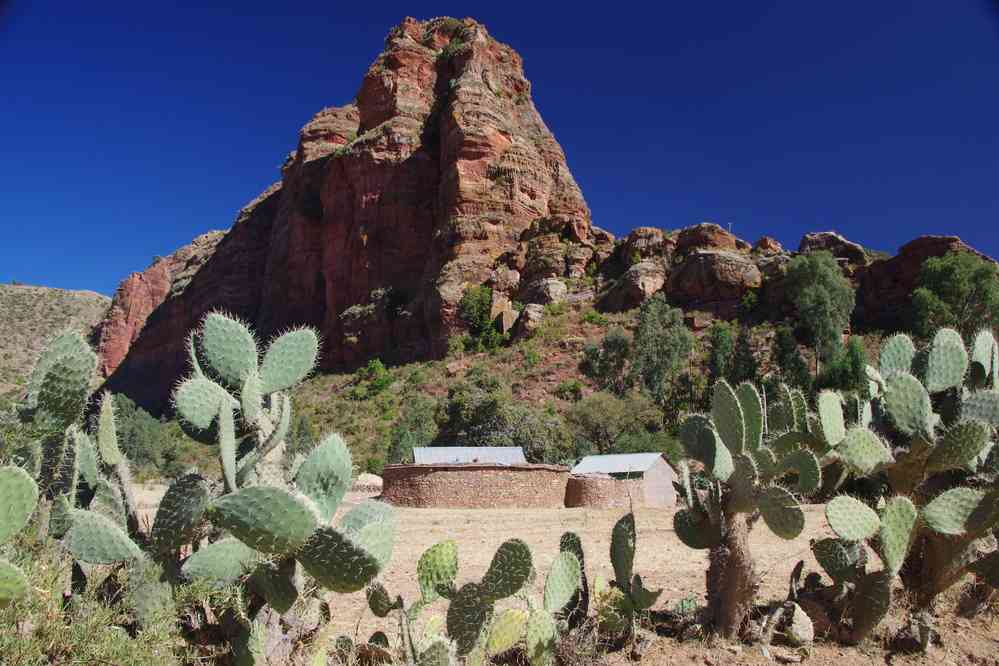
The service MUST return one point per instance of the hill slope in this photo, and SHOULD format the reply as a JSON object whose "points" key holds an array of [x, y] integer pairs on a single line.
{"points": [[31, 316]]}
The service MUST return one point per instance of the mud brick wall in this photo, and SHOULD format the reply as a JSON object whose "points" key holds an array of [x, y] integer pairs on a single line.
{"points": [[475, 486], [603, 492]]}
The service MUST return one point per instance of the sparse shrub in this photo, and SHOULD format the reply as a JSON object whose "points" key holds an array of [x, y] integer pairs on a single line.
{"points": [[474, 309], [570, 390], [787, 362], [531, 357], [543, 436], [845, 370], [416, 427], [591, 316], [599, 421], [744, 366], [721, 347], [661, 353]]}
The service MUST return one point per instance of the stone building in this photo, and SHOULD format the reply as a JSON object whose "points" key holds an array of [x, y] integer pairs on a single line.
{"points": [[617, 480]]}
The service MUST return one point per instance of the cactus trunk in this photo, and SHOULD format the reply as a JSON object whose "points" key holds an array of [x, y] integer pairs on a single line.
{"points": [[731, 579]]}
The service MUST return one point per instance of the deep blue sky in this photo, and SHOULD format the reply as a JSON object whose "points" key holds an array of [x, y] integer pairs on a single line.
{"points": [[131, 127]]}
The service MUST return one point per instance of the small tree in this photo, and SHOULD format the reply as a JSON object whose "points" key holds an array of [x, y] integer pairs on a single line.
{"points": [[786, 359], [474, 309], [722, 346], [823, 299], [744, 366], [846, 370], [605, 363], [661, 353], [960, 290], [416, 427], [599, 421]]}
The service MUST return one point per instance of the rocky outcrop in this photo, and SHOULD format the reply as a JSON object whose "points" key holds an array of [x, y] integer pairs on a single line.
{"points": [[715, 280], [835, 244], [441, 175], [768, 245], [710, 237], [141, 293], [639, 282], [885, 287]]}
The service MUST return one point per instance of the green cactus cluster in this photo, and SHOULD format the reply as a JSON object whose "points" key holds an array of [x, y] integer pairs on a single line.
{"points": [[927, 426], [266, 528]]}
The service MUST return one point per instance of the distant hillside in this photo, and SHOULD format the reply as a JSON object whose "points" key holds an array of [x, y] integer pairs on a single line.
{"points": [[31, 316]]}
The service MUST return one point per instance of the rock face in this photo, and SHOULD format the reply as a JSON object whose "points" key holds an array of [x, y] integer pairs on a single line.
{"points": [[714, 279], [441, 175], [141, 293]]}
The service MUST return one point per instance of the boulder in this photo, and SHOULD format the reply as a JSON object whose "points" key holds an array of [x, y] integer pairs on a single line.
{"points": [[708, 236], [638, 283], [768, 245], [548, 290], [835, 244], [529, 320], [714, 279]]}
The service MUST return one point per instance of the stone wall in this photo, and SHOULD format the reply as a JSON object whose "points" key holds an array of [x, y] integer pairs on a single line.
{"points": [[475, 486], [603, 492]]}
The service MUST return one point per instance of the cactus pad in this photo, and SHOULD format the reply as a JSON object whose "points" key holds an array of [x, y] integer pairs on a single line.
{"points": [[987, 568], [898, 523], [228, 347], [337, 561], [690, 434], [379, 601], [467, 614], [198, 400], [642, 598], [270, 520], [897, 354], [695, 529], [221, 562], [149, 595], [766, 463], [325, 475], [86, 457], [982, 405], [180, 514], [227, 447], [510, 569], [541, 636], [799, 405], [726, 413], [276, 583], [863, 450], [506, 631], [946, 363], [60, 517], [781, 512], [851, 519], [68, 343], [251, 396], [959, 511], [780, 413], [18, 497], [13, 582], [870, 604], [743, 484], [807, 466], [439, 652], [622, 548], [961, 445], [436, 569], [563, 580], [908, 404], [842, 560], [830, 407], [716, 456], [96, 539], [65, 388], [289, 359], [372, 526], [752, 413]]}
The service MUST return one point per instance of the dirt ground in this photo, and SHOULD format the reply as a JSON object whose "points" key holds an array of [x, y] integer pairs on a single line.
{"points": [[661, 559]]}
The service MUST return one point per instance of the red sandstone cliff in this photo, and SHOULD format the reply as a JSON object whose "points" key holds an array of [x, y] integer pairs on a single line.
{"points": [[440, 175]]}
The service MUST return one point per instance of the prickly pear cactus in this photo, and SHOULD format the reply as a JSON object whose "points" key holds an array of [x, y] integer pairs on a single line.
{"points": [[747, 451], [933, 414], [18, 497]]}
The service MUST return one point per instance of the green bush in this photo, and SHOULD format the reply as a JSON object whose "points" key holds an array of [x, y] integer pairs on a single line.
{"points": [[570, 389], [786, 359], [744, 366], [845, 370], [591, 316], [599, 420], [960, 290], [823, 299], [721, 347], [474, 309], [660, 355], [416, 427], [543, 436], [605, 363]]}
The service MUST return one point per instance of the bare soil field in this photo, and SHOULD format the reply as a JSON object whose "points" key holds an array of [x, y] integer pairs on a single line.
{"points": [[662, 561]]}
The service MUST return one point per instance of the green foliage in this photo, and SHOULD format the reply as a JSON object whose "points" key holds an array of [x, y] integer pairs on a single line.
{"points": [[416, 427], [544, 437], [474, 309], [155, 448], [823, 298], [960, 290], [599, 422], [591, 316], [744, 366], [786, 359], [605, 363], [721, 348], [570, 390], [845, 370], [660, 355]]}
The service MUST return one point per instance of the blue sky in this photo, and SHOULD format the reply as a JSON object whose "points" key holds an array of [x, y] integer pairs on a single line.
{"points": [[129, 128]]}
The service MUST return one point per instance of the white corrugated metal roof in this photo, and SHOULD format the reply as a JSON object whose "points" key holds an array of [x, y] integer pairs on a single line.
{"points": [[438, 455], [616, 463]]}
